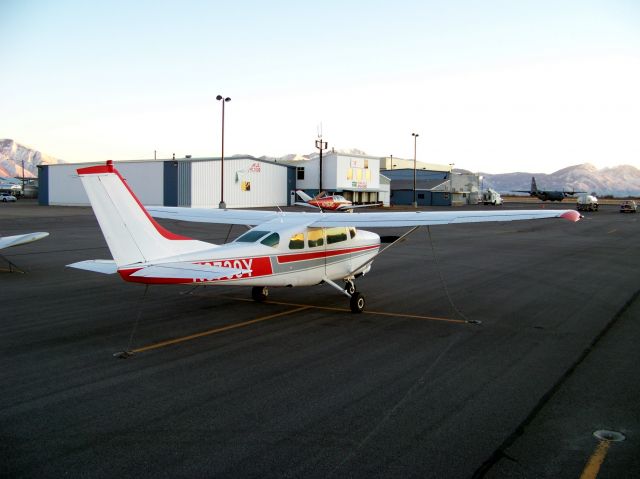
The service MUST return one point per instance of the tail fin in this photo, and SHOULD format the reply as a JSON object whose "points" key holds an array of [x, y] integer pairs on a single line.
{"points": [[303, 195], [132, 235], [534, 188]]}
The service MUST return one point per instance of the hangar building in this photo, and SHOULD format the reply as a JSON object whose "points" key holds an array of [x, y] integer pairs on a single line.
{"points": [[248, 182]]}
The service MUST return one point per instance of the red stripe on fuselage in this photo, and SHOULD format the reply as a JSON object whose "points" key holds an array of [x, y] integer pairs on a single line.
{"points": [[289, 258]]}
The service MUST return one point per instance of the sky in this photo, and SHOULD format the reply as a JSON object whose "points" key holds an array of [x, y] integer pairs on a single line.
{"points": [[491, 86]]}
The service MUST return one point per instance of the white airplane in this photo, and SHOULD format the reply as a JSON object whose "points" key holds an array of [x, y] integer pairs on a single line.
{"points": [[284, 249]]}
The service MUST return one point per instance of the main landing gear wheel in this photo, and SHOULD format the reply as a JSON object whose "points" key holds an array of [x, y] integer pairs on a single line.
{"points": [[259, 293], [356, 303], [349, 287]]}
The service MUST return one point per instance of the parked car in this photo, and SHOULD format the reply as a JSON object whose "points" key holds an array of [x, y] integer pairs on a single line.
{"points": [[5, 197], [628, 206]]}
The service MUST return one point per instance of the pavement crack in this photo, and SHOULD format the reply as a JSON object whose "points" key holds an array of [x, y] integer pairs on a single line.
{"points": [[499, 453]]}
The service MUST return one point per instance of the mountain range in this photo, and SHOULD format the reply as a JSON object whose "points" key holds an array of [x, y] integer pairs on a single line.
{"points": [[619, 181], [12, 156]]}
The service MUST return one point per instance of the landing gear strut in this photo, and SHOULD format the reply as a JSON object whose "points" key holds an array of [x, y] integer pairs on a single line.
{"points": [[259, 293], [349, 287]]}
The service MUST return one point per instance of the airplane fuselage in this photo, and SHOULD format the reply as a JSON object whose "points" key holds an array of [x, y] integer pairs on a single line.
{"points": [[549, 195], [330, 203], [302, 257]]}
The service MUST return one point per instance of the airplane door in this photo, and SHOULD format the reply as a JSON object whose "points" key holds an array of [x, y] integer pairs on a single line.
{"points": [[338, 257]]}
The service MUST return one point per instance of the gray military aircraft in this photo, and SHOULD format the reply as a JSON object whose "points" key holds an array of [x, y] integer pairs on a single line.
{"points": [[546, 195]]}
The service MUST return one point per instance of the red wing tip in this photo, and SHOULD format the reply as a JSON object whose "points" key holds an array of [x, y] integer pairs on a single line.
{"points": [[571, 215]]}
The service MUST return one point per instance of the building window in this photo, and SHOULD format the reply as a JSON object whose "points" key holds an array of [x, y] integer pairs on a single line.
{"points": [[300, 171], [421, 196], [350, 174]]}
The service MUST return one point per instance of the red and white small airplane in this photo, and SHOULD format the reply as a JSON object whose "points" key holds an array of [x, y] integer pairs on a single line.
{"points": [[330, 203], [282, 248]]}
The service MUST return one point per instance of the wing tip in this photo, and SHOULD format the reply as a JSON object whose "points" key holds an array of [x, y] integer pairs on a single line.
{"points": [[571, 215]]}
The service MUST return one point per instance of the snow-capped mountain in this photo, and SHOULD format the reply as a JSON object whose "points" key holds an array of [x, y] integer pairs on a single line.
{"points": [[12, 154], [621, 180]]}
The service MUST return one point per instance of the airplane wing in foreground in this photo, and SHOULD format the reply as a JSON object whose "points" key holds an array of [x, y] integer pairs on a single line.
{"points": [[8, 241], [374, 220]]}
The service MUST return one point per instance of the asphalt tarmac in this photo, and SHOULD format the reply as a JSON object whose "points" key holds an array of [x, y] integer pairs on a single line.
{"points": [[487, 350]]}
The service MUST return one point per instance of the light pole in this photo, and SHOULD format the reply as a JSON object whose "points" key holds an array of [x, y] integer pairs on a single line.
{"points": [[321, 145], [222, 203], [415, 140], [391, 156]]}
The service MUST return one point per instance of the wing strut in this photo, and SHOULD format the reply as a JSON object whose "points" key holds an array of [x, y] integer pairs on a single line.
{"points": [[383, 250]]}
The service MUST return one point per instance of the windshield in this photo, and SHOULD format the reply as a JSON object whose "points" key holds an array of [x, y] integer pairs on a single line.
{"points": [[251, 236]]}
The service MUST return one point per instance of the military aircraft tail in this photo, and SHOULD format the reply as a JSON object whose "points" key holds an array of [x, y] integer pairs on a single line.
{"points": [[534, 188]]}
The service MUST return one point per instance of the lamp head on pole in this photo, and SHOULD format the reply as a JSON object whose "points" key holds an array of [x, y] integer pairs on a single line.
{"points": [[220, 97]]}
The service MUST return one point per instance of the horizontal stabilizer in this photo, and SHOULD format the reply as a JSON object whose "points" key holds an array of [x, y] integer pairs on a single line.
{"points": [[188, 271], [104, 266]]}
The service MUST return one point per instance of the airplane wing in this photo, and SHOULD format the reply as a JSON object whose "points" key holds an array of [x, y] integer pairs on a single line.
{"points": [[8, 241], [213, 215], [376, 220], [427, 218]]}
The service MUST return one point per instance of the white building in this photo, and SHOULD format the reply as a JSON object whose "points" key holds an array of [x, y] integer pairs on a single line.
{"points": [[356, 177], [248, 182]]}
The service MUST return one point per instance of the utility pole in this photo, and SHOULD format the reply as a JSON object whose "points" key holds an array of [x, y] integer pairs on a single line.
{"points": [[415, 140], [222, 204], [321, 145]]}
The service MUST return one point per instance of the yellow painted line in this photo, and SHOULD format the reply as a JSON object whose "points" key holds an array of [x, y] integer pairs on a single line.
{"points": [[347, 310], [216, 331], [595, 461]]}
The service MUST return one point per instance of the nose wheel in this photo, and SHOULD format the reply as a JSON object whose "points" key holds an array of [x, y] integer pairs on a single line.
{"points": [[356, 302]]}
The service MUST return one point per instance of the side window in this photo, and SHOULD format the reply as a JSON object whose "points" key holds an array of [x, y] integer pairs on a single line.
{"points": [[352, 232], [296, 241], [336, 235], [272, 240], [315, 237]]}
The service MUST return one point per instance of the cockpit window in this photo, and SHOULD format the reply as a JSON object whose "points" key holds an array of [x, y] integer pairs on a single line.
{"points": [[272, 240], [315, 237], [336, 235], [251, 236], [296, 241], [352, 232]]}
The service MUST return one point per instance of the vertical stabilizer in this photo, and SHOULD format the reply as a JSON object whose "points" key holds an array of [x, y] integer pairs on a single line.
{"points": [[534, 188], [132, 235]]}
